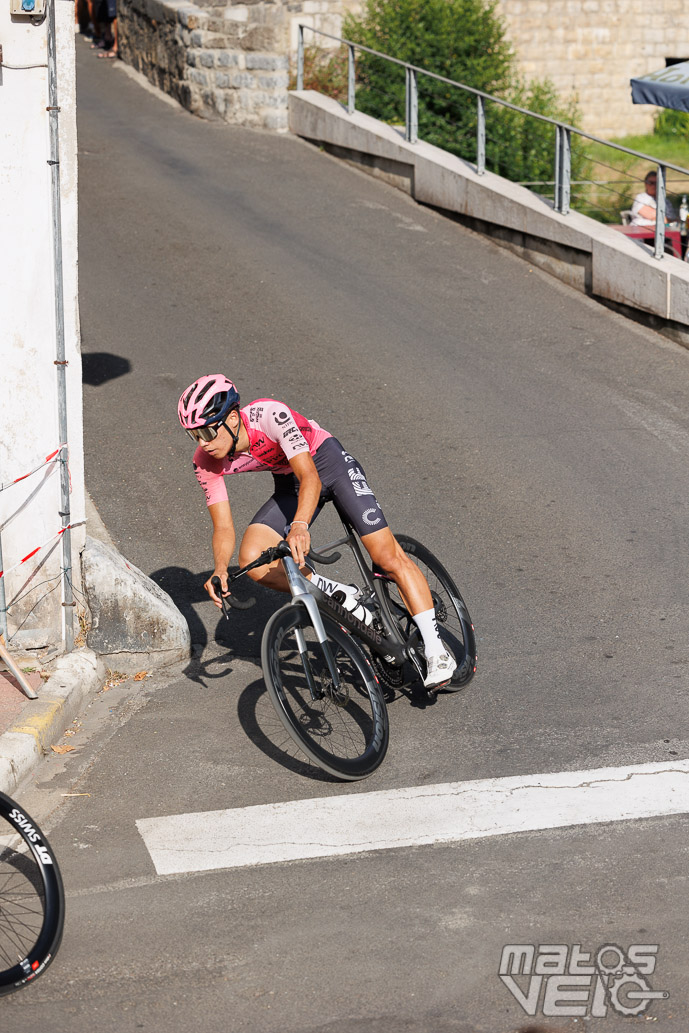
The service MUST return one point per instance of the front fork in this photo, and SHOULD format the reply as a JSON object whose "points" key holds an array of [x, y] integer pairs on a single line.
{"points": [[300, 593]]}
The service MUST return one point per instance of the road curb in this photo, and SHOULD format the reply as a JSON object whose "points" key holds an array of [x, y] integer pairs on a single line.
{"points": [[73, 678]]}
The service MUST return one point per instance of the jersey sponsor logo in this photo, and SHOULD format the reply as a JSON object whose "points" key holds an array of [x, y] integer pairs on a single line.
{"points": [[367, 515], [347, 457], [358, 479], [281, 417]]}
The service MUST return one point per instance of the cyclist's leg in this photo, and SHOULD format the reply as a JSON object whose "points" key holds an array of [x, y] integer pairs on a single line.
{"points": [[267, 528], [257, 538], [386, 553], [345, 478]]}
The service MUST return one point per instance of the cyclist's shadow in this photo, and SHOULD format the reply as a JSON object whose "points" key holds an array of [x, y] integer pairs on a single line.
{"points": [[241, 634]]}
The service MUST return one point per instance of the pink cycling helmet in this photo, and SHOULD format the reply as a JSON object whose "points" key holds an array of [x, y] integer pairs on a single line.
{"points": [[208, 400]]}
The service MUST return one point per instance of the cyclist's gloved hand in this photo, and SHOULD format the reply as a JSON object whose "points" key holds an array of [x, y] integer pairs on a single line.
{"points": [[299, 541], [222, 575]]}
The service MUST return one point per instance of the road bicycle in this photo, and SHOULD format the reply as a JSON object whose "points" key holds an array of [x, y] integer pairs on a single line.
{"points": [[327, 671], [32, 899]]}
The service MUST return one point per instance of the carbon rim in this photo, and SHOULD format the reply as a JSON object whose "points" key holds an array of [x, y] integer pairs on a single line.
{"points": [[32, 904], [454, 622]]}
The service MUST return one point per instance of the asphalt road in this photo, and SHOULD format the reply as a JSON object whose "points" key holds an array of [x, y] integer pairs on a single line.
{"points": [[533, 439]]}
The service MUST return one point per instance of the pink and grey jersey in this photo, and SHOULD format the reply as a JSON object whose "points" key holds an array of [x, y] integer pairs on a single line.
{"points": [[276, 434]]}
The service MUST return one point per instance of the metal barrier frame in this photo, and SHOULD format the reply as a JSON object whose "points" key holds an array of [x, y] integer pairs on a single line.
{"points": [[563, 131]]}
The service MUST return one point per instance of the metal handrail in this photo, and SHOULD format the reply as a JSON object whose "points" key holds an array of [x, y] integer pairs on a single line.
{"points": [[563, 130]]}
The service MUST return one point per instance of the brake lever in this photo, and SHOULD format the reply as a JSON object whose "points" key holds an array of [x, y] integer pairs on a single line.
{"points": [[228, 601]]}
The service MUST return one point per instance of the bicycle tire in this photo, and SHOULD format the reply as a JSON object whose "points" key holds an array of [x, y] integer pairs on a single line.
{"points": [[32, 899], [454, 622], [344, 734]]}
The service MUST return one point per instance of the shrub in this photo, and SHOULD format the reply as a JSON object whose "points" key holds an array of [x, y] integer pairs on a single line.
{"points": [[463, 40], [324, 71], [672, 124]]}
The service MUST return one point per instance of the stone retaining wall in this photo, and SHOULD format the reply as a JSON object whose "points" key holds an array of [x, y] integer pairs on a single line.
{"points": [[230, 59], [222, 59]]}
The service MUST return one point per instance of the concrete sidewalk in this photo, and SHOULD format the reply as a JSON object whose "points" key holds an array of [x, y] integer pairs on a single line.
{"points": [[29, 728], [122, 600]]}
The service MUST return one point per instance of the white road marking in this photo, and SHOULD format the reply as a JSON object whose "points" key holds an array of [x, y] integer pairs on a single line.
{"points": [[446, 813]]}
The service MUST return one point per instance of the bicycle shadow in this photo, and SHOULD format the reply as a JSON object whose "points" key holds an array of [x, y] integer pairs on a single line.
{"points": [[263, 727], [239, 638]]}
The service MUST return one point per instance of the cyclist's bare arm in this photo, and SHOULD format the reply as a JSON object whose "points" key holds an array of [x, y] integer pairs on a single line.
{"points": [[223, 546], [309, 492]]}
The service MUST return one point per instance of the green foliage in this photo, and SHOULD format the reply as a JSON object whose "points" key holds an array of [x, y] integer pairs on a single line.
{"points": [[459, 39], [523, 148], [672, 124], [463, 40], [324, 71]]}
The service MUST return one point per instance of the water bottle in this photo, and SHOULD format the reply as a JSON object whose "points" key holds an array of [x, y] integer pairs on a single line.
{"points": [[350, 601], [683, 212]]}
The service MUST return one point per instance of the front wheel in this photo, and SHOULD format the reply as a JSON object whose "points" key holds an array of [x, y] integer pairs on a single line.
{"points": [[343, 730], [32, 901], [454, 623]]}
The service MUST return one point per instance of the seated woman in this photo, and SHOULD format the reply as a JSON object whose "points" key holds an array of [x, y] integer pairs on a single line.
{"points": [[644, 207]]}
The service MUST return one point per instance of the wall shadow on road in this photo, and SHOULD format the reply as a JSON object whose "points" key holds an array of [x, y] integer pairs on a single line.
{"points": [[99, 367]]}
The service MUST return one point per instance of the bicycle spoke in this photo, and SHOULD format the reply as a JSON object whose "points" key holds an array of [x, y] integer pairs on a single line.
{"points": [[343, 730]]}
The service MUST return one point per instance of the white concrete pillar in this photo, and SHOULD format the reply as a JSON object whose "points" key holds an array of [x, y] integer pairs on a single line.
{"points": [[30, 510]]}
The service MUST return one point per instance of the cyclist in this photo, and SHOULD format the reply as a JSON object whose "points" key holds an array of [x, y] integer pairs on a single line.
{"points": [[308, 465]]}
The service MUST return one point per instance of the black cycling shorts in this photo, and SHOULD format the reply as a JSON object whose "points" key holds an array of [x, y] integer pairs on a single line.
{"points": [[344, 482]]}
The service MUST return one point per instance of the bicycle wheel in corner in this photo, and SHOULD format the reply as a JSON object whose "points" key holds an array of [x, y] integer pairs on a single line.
{"points": [[454, 623], [32, 900], [345, 730]]}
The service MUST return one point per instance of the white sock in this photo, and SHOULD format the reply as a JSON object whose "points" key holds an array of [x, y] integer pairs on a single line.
{"points": [[329, 586], [427, 625]]}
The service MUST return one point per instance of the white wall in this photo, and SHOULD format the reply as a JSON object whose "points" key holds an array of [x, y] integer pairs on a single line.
{"points": [[30, 511]]}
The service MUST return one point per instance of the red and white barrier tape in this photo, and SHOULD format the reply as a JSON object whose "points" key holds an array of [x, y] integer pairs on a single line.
{"points": [[52, 458], [39, 547]]}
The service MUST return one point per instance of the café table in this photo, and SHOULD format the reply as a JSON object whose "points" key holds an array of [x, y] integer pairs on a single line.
{"points": [[673, 237]]}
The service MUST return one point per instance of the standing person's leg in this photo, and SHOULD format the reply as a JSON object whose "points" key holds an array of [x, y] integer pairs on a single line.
{"points": [[82, 16], [109, 14]]}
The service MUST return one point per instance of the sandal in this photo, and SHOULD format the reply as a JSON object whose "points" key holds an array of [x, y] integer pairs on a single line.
{"points": [[111, 54]]}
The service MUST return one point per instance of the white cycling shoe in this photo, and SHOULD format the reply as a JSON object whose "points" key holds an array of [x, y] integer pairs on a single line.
{"points": [[439, 671]]}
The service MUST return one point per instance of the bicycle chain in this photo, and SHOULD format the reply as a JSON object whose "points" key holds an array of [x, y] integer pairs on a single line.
{"points": [[390, 675]]}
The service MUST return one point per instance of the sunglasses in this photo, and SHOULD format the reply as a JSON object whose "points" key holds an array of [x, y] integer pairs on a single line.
{"points": [[204, 433]]}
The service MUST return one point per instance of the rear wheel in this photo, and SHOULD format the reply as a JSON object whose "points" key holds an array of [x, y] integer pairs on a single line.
{"points": [[454, 623], [343, 730], [32, 902]]}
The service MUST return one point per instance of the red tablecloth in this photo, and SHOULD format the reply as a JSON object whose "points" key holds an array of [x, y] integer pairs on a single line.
{"points": [[673, 237]]}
